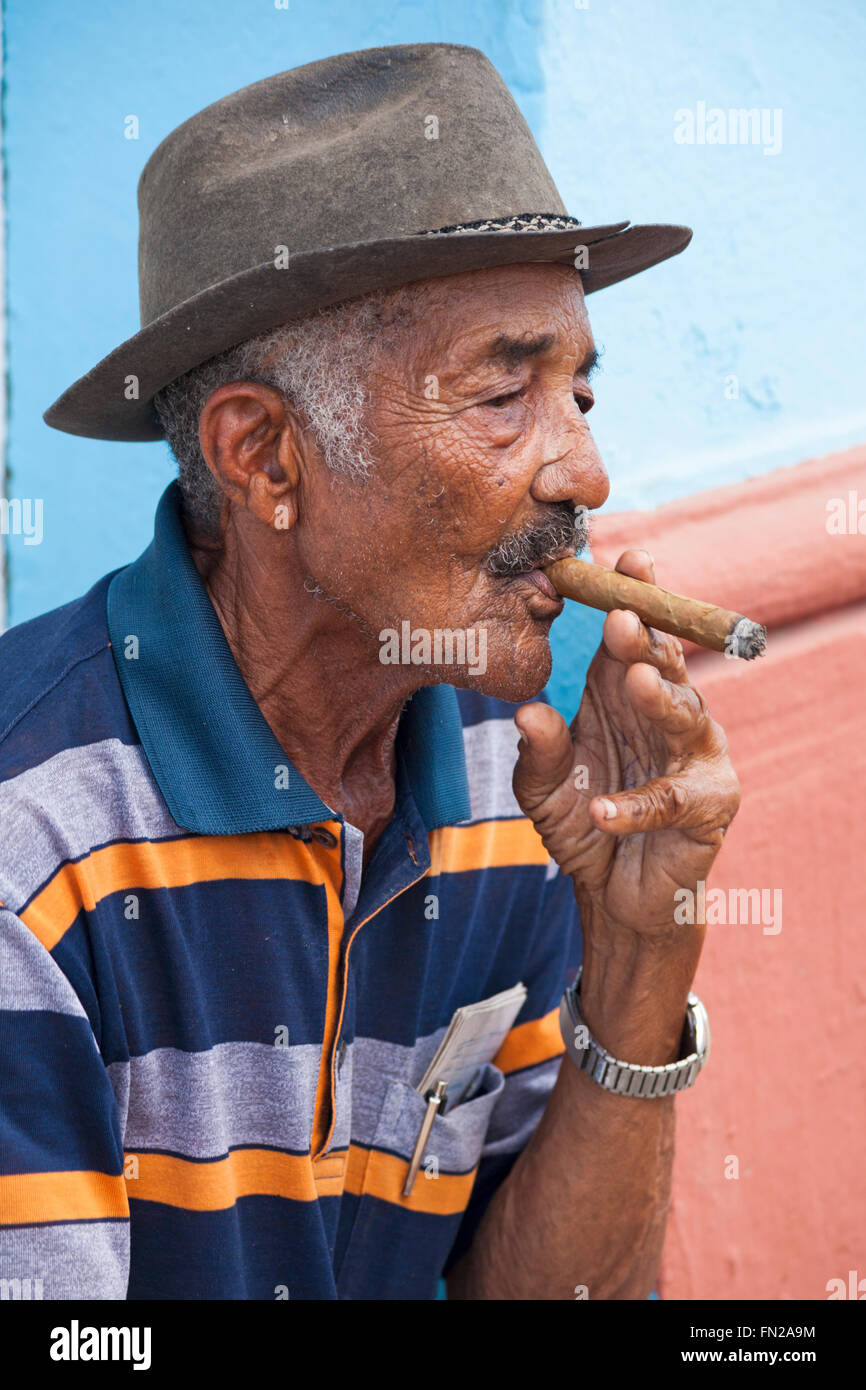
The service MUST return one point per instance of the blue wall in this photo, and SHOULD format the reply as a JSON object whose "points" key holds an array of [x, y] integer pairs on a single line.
{"points": [[771, 289], [768, 291]]}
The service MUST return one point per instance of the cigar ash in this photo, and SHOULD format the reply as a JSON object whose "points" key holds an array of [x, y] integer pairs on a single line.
{"points": [[746, 639]]}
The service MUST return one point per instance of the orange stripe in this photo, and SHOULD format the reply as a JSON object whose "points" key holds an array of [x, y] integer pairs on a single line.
{"points": [[83, 1196], [165, 864], [216, 1184], [372, 1173], [492, 844], [532, 1042]]}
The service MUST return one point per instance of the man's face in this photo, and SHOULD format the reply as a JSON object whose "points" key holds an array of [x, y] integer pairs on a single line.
{"points": [[482, 451]]}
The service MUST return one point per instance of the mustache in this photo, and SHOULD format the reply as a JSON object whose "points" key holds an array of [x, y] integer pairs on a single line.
{"points": [[536, 545]]}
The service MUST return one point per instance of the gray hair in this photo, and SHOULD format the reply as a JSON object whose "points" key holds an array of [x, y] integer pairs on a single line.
{"points": [[320, 363]]}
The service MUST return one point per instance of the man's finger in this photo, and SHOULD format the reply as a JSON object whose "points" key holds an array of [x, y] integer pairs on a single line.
{"points": [[637, 563], [704, 805], [545, 754], [627, 639], [678, 711]]}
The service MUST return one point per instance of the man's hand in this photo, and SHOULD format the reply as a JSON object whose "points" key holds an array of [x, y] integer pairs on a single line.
{"points": [[634, 800], [587, 1199]]}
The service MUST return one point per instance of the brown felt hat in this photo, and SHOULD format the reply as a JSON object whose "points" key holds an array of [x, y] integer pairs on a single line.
{"points": [[356, 173]]}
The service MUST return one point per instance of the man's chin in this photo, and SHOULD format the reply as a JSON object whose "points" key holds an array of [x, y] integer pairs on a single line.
{"points": [[516, 676]]}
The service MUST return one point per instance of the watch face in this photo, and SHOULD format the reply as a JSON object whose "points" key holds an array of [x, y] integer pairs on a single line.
{"points": [[701, 1028]]}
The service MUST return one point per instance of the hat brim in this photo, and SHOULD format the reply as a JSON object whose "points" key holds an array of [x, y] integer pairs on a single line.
{"points": [[258, 300]]}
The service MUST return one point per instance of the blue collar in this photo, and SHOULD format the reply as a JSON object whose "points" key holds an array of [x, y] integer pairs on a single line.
{"points": [[215, 759]]}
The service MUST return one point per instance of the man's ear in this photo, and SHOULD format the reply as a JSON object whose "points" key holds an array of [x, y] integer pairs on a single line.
{"points": [[250, 439]]}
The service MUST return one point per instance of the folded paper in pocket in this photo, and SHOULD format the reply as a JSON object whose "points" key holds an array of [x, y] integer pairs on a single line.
{"points": [[474, 1036]]}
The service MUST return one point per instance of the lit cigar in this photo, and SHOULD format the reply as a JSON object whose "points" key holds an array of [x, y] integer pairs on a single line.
{"points": [[717, 629]]}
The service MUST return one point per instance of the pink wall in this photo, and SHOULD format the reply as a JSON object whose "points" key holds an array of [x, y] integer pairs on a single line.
{"points": [[785, 1090]]}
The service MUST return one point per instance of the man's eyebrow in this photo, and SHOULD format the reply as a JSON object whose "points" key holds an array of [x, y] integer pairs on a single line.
{"points": [[590, 364], [512, 351]]}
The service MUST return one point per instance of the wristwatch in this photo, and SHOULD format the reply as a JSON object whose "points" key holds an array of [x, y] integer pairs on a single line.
{"points": [[623, 1078]]}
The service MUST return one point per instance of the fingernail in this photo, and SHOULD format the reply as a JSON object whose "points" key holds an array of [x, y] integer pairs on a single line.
{"points": [[609, 808]]}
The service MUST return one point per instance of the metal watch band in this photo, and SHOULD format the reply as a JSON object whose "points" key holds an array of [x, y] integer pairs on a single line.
{"points": [[624, 1078]]}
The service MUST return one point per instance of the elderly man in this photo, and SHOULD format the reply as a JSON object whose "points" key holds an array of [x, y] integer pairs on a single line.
{"points": [[283, 945]]}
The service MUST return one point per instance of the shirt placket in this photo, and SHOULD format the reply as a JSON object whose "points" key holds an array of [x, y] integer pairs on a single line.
{"points": [[403, 863]]}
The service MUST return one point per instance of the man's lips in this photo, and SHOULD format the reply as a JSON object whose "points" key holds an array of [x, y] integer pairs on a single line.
{"points": [[537, 576], [541, 581]]}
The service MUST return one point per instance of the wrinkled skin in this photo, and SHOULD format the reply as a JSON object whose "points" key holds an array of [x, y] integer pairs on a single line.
{"points": [[464, 470], [496, 448], [646, 740]]}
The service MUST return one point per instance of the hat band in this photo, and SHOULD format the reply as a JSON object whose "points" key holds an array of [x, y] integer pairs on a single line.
{"points": [[520, 222]]}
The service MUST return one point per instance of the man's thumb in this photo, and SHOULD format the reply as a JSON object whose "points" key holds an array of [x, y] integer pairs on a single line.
{"points": [[544, 755]]}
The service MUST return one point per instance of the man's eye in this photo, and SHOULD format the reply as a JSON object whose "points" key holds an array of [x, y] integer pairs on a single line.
{"points": [[583, 403], [499, 401]]}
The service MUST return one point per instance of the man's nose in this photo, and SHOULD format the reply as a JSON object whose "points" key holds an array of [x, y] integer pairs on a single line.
{"points": [[572, 469]]}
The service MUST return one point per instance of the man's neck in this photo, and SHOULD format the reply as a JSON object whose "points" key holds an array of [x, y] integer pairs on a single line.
{"points": [[314, 672]]}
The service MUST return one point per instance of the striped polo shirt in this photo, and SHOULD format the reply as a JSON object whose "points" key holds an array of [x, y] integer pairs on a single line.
{"points": [[213, 1021]]}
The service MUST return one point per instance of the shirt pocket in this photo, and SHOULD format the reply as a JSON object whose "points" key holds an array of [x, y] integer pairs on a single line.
{"points": [[398, 1245]]}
